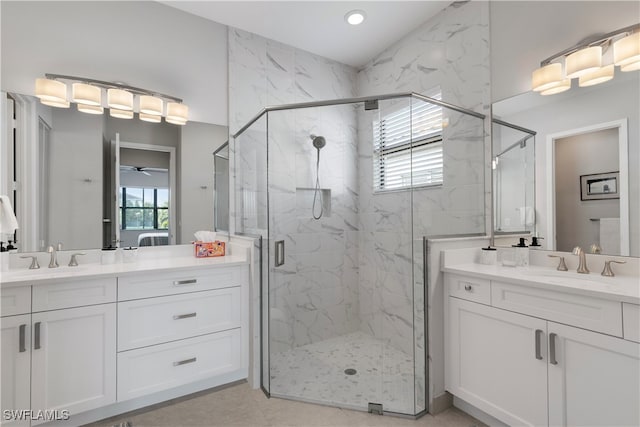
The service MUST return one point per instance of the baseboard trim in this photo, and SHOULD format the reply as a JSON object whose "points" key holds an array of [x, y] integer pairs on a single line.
{"points": [[441, 403]]}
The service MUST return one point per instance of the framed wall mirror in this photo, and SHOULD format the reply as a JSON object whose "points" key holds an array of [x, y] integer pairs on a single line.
{"points": [[90, 181]]}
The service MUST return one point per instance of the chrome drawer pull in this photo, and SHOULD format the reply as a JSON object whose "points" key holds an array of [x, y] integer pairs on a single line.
{"points": [[36, 339], [467, 288], [185, 282], [537, 338], [552, 349], [184, 362], [184, 316], [21, 339]]}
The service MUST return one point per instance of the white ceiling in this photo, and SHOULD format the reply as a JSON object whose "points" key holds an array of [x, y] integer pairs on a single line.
{"points": [[319, 26]]}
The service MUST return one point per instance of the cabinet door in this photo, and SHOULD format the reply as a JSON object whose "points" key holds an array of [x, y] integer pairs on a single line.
{"points": [[74, 358], [497, 362], [596, 380], [15, 358]]}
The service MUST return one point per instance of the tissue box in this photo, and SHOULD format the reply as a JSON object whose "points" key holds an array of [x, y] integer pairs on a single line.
{"points": [[209, 249]]}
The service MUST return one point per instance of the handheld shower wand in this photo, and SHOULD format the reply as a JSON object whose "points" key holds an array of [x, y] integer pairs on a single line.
{"points": [[318, 142]]}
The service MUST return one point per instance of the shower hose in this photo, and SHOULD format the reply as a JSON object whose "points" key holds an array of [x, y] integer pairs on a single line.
{"points": [[317, 194]]}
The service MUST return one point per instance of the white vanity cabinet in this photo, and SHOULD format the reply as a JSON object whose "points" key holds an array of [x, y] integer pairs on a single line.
{"points": [[94, 346], [15, 360], [179, 328], [74, 358], [511, 356]]}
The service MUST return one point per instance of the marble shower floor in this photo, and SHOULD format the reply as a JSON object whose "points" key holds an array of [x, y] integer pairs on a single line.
{"points": [[315, 373]]}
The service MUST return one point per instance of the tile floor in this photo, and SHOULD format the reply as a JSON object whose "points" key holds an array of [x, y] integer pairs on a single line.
{"points": [[315, 373], [239, 405]]}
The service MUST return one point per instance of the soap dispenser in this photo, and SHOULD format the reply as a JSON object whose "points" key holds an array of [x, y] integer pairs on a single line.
{"points": [[535, 242], [522, 253]]}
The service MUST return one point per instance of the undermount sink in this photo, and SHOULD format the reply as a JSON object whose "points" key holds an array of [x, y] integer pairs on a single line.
{"points": [[570, 275], [43, 271]]}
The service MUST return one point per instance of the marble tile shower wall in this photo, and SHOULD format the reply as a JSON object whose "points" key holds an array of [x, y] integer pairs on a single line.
{"points": [[451, 51], [315, 294]]}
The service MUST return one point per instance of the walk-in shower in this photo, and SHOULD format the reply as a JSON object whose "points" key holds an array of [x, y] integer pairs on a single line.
{"points": [[344, 307]]}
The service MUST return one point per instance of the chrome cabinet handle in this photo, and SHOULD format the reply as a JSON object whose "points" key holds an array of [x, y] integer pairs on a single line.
{"points": [[185, 282], [537, 338], [552, 349], [279, 256], [184, 316], [184, 362], [22, 347], [36, 336], [467, 288]]}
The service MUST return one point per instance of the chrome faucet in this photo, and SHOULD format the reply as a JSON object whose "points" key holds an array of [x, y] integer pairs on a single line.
{"points": [[582, 263], [53, 263]]}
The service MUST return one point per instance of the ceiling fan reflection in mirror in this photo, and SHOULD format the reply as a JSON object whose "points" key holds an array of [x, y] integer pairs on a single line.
{"points": [[144, 170]]}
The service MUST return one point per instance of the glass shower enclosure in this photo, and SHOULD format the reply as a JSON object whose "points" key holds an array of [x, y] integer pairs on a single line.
{"points": [[343, 194]]}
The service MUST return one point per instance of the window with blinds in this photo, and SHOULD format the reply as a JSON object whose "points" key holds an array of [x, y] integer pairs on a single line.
{"points": [[394, 155]]}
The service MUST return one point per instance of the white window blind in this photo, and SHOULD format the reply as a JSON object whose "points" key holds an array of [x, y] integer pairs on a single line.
{"points": [[393, 156]]}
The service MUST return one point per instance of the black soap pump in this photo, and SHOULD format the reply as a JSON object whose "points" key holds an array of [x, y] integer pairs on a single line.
{"points": [[522, 253], [11, 248], [535, 242]]}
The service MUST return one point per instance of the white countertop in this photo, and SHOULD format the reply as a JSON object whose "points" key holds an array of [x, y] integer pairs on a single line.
{"points": [[31, 277], [619, 288]]}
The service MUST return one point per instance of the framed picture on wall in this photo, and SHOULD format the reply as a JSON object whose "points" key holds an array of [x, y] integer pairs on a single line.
{"points": [[600, 186]]}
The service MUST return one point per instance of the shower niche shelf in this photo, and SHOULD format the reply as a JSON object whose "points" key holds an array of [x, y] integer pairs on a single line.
{"points": [[304, 201]]}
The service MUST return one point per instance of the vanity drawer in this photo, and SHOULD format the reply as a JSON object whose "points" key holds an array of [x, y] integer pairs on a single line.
{"points": [[15, 301], [76, 293], [571, 309], [469, 288], [151, 369], [153, 321], [155, 285], [631, 321]]}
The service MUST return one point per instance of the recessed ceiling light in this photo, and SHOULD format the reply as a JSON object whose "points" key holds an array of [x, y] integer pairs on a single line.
{"points": [[355, 17]]}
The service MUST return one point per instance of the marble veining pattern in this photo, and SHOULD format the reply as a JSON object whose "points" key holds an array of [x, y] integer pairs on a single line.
{"points": [[357, 272]]}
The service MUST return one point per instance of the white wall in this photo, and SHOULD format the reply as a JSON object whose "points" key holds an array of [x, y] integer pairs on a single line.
{"points": [[585, 154], [523, 33], [141, 43], [75, 186], [198, 142]]}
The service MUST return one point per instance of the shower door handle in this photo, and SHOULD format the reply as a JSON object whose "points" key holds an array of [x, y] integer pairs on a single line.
{"points": [[279, 258]]}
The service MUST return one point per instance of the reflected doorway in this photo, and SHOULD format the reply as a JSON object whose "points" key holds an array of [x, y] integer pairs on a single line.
{"points": [[580, 218]]}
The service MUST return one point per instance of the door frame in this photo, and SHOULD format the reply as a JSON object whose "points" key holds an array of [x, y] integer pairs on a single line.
{"points": [[623, 162], [173, 222]]}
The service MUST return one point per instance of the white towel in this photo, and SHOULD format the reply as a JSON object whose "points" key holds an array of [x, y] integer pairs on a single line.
{"points": [[205, 236], [527, 215], [8, 221], [610, 235]]}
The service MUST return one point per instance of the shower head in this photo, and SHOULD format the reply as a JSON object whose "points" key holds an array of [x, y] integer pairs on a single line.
{"points": [[318, 141]]}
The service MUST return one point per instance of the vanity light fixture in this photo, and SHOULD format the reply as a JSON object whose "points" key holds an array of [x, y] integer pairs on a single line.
{"points": [[598, 76], [152, 118], [585, 62], [626, 52], [151, 105], [52, 93], [121, 114], [119, 99], [82, 93], [355, 17], [87, 94], [177, 113], [90, 109]]}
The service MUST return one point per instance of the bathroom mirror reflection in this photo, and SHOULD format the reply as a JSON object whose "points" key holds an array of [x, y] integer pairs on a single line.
{"points": [[583, 131], [90, 181]]}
